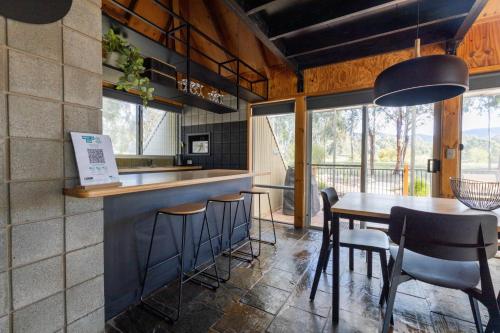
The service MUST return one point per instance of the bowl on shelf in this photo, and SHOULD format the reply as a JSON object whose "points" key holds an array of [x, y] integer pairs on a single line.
{"points": [[476, 194]]}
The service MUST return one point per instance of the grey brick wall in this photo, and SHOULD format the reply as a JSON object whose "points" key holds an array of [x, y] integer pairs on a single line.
{"points": [[51, 251]]}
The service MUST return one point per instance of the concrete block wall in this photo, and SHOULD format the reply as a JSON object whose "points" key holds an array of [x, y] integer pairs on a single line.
{"points": [[51, 246]]}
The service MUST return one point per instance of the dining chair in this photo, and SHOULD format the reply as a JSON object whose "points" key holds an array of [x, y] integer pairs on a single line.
{"points": [[449, 251], [359, 239]]}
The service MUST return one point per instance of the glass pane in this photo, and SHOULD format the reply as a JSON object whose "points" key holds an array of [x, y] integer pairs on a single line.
{"points": [[400, 141], [335, 155], [274, 152], [119, 121], [481, 135], [159, 132]]}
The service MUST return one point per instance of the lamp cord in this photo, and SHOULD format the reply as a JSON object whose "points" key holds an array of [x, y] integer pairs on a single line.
{"points": [[418, 17]]}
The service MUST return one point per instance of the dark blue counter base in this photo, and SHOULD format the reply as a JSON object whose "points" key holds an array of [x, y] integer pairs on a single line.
{"points": [[128, 222]]}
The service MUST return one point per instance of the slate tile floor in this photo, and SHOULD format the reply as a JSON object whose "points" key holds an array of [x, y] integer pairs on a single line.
{"points": [[272, 295]]}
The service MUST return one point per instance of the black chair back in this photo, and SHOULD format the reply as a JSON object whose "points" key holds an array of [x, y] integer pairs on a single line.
{"points": [[445, 236], [330, 198]]}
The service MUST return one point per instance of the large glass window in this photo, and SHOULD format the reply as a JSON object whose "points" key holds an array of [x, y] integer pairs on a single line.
{"points": [[400, 141], [480, 157], [119, 121], [135, 130]]}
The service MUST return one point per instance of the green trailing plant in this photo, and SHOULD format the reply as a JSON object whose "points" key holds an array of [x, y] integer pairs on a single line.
{"points": [[131, 63]]}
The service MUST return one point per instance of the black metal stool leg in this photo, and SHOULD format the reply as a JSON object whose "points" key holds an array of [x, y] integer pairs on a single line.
{"points": [[369, 261], [212, 251], [247, 223], [272, 219], [149, 256], [351, 250], [181, 273], [247, 226], [476, 314]]}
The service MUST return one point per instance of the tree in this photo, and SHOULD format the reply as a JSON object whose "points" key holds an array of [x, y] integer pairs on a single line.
{"points": [[484, 104], [402, 119]]}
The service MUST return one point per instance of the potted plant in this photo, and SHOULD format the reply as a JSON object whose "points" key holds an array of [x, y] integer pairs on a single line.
{"points": [[119, 53]]}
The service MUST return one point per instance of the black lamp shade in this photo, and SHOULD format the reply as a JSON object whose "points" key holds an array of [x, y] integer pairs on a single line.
{"points": [[421, 80], [35, 11]]}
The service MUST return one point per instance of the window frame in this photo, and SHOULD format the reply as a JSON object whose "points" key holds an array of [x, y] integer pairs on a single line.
{"points": [[139, 130]]}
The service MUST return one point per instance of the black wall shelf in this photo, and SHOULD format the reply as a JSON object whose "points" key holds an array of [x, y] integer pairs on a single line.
{"points": [[241, 80]]}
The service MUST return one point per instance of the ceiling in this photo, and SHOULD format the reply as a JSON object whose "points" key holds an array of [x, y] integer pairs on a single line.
{"points": [[310, 33]]}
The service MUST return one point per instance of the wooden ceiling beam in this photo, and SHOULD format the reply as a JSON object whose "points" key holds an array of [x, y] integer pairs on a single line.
{"points": [[375, 36], [250, 24], [262, 5], [293, 22], [474, 12]]}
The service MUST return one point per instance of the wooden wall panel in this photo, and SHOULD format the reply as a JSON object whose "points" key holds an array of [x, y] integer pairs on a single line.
{"points": [[300, 161], [356, 74], [481, 47], [450, 138]]}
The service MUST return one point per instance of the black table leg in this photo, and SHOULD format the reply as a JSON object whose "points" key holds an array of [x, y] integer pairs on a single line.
{"points": [[336, 268]]}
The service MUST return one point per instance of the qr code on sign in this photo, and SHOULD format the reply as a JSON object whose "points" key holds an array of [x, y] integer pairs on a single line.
{"points": [[96, 156]]}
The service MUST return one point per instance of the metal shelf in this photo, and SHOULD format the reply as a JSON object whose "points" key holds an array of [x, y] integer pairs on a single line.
{"points": [[240, 84]]}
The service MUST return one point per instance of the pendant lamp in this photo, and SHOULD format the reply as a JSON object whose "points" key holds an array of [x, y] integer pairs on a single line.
{"points": [[421, 80], [35, 11]]}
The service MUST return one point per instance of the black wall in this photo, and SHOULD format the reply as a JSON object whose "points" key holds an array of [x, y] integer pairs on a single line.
{"points": [[228, 145]]}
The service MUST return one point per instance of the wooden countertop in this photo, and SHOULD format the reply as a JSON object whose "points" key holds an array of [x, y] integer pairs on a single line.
{"points": [[159, 169], [140, 182]]}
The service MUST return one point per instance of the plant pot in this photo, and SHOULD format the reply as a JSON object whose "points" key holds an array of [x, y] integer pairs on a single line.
{"points": [[112, 58]]}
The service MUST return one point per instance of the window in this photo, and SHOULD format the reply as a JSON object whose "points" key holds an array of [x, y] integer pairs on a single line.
{"points": [[119, 121], [481, 135], [135, 130]]}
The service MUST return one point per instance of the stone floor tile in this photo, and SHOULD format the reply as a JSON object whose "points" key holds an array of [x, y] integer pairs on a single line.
{"points": [[293, 320], [351, 322], [243, 318], [266, 298], [281, 279]]}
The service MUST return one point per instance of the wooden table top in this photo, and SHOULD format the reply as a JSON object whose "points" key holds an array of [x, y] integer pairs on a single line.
{"points": [[159, 169], [379, 205], [140, 182]]}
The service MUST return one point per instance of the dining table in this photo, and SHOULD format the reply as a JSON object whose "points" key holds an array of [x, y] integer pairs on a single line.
{"points": [[371, 207]]}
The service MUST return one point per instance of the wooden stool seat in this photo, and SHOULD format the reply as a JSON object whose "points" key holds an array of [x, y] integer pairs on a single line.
{"points": [[228, 198], [185, 209], [255, 190]]}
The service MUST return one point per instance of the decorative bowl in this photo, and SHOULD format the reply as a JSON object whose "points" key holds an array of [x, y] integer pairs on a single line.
{"points": [[476, 194]]}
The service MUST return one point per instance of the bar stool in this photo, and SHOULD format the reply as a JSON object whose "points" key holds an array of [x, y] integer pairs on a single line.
{"points": [[229, 199], [184, 210], [257, 191]]}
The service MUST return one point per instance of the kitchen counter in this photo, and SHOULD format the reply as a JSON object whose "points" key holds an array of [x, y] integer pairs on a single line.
{"points": [[129, 214], [159, 169], [140, 182]]}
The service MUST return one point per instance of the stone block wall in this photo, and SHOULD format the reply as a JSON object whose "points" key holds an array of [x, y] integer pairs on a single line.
{"points": [[51, 250]]}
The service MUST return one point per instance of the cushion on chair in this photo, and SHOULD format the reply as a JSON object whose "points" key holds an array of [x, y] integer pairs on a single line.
{"points": [[364, 238], [439, 272]]}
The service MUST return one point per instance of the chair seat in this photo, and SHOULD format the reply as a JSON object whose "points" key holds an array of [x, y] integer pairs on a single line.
{"points": [[185, 209], [362, 238], [255, 190], [228, 198], [445, 273]]}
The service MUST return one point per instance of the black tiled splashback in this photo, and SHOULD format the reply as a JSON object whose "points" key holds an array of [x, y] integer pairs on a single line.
{"points": [[228, 145]]}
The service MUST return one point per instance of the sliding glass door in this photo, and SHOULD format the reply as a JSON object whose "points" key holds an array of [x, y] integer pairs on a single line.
{"points": [[335, 154], [273, 144], [366, 148]]}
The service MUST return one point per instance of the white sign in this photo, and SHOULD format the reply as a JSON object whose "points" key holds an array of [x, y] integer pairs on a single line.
{"points": [[95, 159]]}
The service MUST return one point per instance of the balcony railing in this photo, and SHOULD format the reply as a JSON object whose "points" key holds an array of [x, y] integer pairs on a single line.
{"points": [[347, 178]]}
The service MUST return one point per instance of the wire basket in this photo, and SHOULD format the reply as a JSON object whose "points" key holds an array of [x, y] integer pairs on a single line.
{"points": [[476, 194]]}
